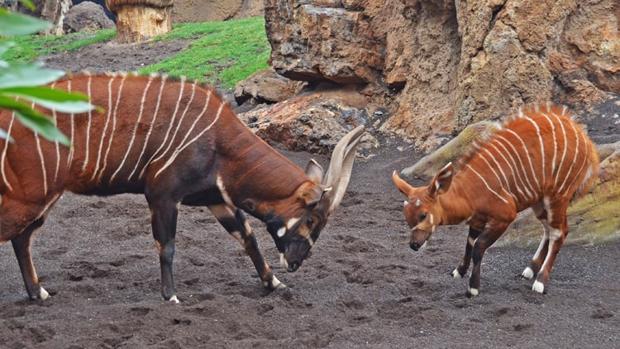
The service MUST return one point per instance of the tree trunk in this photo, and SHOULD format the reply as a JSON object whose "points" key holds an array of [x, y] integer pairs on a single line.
{"points": [[54, 11], [140, 20]]}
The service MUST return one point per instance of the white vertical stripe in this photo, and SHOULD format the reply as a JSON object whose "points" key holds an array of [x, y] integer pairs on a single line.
{"points": [[516, 177], [486, 184], [118, 101], [499, 181], [55, 117], [528, 158], [560, 121], [520, 170], [570, 168], [542, 151], [4, 151], [174, 114], [105, 128], [179, 123], [555, 143], [177, 152], [148, 134], [135, 129], [90, 116], [71, 145], [43, 170], [583, 163]]}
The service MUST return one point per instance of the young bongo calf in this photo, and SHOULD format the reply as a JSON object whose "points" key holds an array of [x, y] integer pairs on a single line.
{"points": [[539, 159], [176, 142]]}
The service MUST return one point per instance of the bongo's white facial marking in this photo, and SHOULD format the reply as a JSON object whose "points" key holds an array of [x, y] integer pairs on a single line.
{"points": [[281, 232], [405, 203], [418, 203]]}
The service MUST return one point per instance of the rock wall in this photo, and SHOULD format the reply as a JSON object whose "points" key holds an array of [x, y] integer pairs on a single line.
{"points": [[444, 64], [215, 10]]}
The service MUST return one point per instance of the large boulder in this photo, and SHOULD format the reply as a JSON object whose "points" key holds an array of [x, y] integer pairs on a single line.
{"points": [[313, 122], [266, 86], [215, 10], [86, 16], [447, 64]]}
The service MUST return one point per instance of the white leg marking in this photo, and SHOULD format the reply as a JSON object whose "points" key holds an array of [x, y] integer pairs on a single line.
{"points": [[456, 274], [275, 283], [105, 128], [118, 101], [174, 116], [283, 261], [538, 287], [179, 123], [220, 185], [486, 184], [151, 125], [528, 273], [174, 299], [43, 294], [4, 151], [135, 129], [473, 292], [177, 152]]}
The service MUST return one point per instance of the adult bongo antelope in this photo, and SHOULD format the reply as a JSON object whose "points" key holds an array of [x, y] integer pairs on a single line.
{"points": [[540, 159], [176, 142]]}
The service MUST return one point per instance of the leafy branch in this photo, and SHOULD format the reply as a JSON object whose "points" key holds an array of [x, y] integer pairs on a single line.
{"points": [[22, 85]]}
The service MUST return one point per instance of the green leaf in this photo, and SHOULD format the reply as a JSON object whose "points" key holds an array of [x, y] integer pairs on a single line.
{"points": [[28, 4], [50, 98], [18, 24], [28, 75], [4, 135], [47, 93], [34, 120], [42, 125], [5, 46], [63, 107]]}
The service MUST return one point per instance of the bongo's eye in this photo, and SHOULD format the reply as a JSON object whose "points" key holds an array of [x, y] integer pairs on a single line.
{"points": [[310, 221], [421, 217]]}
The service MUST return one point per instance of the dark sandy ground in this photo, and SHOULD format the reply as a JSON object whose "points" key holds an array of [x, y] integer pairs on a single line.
{"points": [[363, 286]]}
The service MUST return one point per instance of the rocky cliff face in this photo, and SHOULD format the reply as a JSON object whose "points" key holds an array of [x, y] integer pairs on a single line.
{"points": [[443, 64]]}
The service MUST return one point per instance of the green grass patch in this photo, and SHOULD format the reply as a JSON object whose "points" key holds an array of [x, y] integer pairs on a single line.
{"points": [[28, 48], [222, 53]]}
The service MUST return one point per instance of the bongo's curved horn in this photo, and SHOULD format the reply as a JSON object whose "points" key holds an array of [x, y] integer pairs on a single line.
{"points": [[340, 167]]}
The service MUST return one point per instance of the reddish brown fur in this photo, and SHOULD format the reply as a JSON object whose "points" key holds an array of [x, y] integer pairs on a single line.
{"points": [[157, 136], [494, 182]]}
